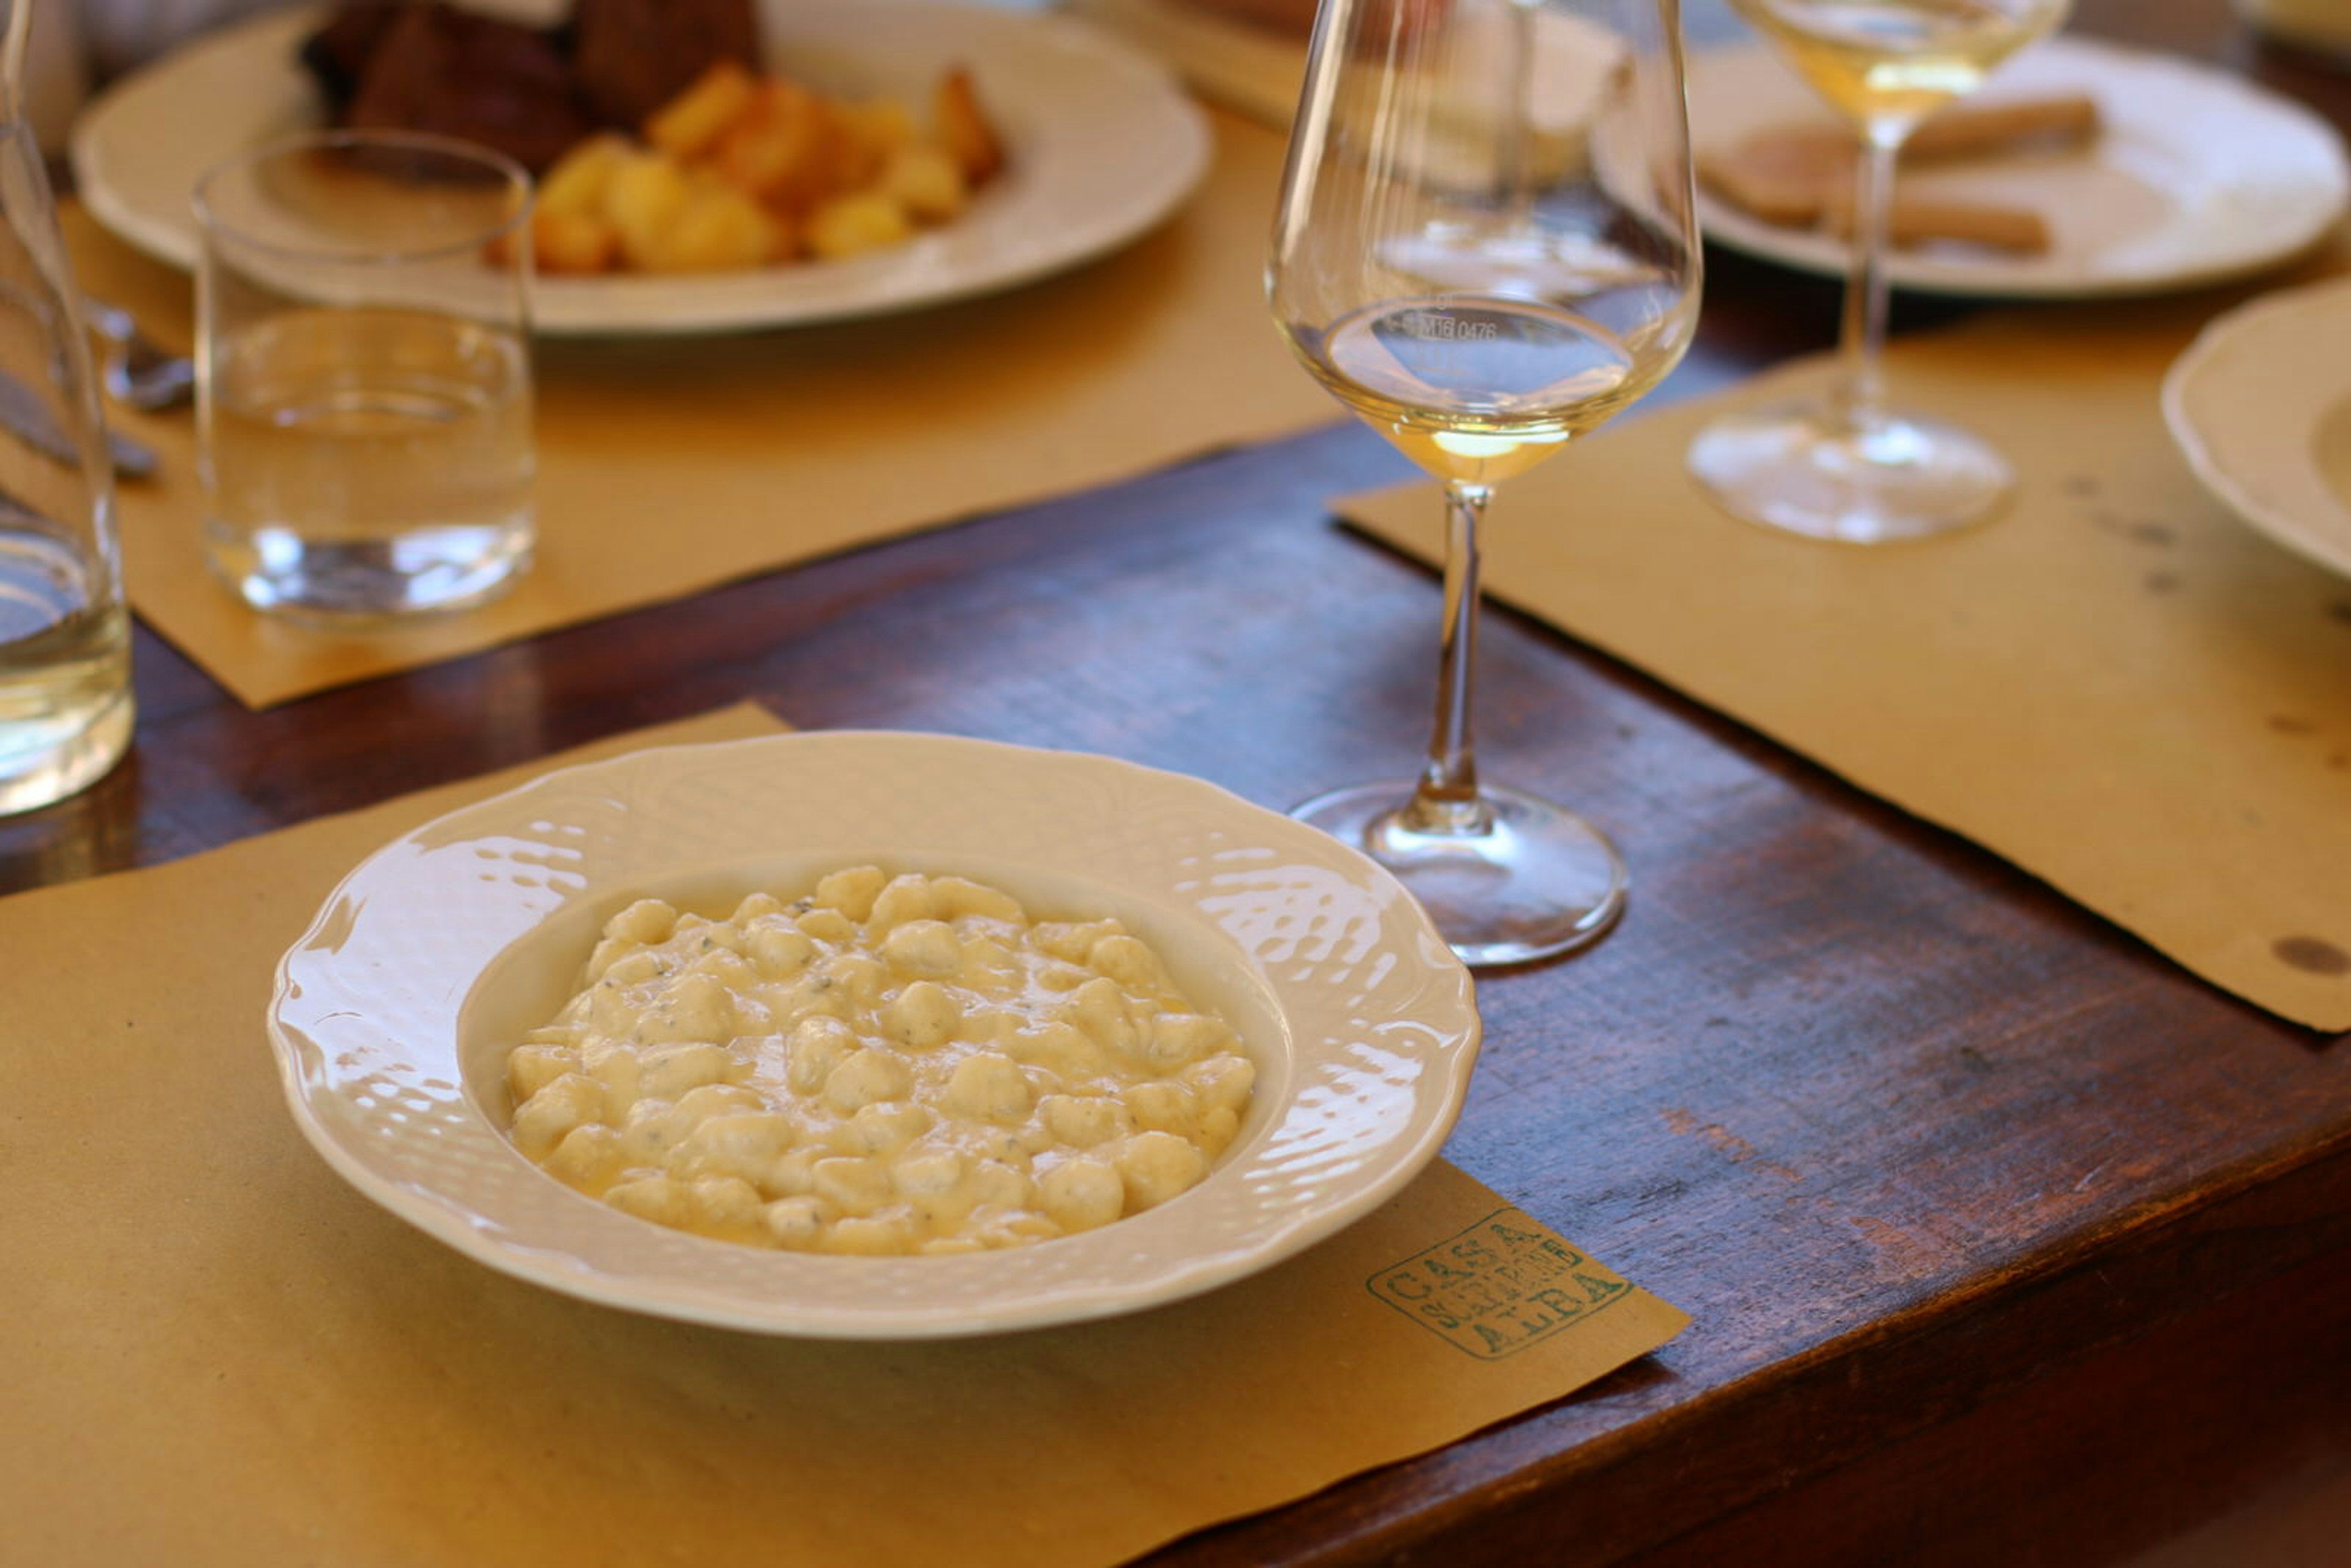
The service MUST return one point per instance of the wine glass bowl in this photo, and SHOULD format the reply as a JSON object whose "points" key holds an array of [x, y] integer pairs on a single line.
{"points": [[1485, 248], [1850, 468]]}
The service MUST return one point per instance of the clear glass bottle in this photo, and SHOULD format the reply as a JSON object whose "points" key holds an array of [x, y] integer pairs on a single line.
{"points": [[64, 636]]}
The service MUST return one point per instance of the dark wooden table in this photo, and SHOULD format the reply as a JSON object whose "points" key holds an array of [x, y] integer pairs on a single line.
{"points": [[2006, 1239]]}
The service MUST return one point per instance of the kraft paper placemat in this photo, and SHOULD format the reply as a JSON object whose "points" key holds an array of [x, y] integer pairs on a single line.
{"points": [[222, 1354], [668, 466], [2114, 685]]}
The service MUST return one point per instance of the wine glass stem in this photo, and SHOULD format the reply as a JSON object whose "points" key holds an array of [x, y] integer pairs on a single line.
{"points": [[1862, 342], [1446, 800]]}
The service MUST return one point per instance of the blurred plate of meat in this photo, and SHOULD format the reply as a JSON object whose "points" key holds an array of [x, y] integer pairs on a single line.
{"points": [[1101, 145]]}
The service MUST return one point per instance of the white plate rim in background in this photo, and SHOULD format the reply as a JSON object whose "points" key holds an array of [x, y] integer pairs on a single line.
{"points": [[2246, 404]]}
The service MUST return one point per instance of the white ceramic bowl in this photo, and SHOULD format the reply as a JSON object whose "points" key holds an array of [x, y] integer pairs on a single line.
{"points": [[392, 1015]]}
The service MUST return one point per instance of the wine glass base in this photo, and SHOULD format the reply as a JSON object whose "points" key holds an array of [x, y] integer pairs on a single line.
{"points": [[1538, 883], [1803, 472]]}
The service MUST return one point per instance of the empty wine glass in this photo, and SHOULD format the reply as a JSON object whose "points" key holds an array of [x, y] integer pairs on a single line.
{"points": [[1485, 248], [1851, 469]]}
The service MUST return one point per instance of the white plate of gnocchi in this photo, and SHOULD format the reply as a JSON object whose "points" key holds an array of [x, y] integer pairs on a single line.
{"points": [[873, 1036], [1098, 145]]}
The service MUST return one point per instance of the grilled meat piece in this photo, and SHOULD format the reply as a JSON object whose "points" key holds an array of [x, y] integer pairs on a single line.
{"points": [[337, 54], [437, 69], [532, 94], [634, 56]]}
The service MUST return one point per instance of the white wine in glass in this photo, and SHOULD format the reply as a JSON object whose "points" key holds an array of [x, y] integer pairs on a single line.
{"points": [[1851, 469], [1485, 248]]}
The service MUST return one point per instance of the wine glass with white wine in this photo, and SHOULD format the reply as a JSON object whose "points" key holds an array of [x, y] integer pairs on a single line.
{"points": [[1851, 468], [1485, 248]]}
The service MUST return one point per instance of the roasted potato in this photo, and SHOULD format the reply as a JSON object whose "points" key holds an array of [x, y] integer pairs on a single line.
{"points": [[686, 127], [576, 184], [851, 225], [567, 243], [741, 171], [963, 130], [924, 181], [785, 150], [720, 229], [647, 192]]}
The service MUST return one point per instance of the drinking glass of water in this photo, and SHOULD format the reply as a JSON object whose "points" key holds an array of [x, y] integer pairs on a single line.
{"points": [[364, 374]]}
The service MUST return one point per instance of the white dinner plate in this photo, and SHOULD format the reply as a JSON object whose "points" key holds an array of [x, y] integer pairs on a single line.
{"points": [[2196, 176], [1102, 145], [2260, 405], [394, 1015]]}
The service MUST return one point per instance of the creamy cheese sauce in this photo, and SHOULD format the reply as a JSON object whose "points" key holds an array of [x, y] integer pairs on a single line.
{"points": [[886, 1066]]}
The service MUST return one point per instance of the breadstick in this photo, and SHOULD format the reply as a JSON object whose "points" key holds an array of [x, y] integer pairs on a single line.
{"points": [[1782, 176], [1923, 220], [1981, 129]]}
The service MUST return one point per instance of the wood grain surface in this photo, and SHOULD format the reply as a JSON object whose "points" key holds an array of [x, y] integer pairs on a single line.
{"points": [[2004, 1238]]}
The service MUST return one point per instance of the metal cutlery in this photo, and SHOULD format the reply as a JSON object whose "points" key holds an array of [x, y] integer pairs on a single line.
{"points": [[24, 414], [136, 373]]}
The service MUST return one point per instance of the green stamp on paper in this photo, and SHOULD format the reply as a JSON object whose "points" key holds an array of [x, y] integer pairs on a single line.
{"points": [[1500, 1286]]}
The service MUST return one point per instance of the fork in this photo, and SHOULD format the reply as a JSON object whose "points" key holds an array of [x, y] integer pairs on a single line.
{"points": [[137, 372]]}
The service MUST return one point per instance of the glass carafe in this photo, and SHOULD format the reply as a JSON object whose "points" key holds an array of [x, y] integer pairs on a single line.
{"points": [[65, 654]]}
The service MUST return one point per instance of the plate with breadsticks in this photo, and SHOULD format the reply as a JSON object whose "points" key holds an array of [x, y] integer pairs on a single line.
{"points": [[2081, 169], [700, 165]]}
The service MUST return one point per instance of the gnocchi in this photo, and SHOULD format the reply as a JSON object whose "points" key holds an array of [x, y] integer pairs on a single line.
{"points": [[886, 1065]]}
